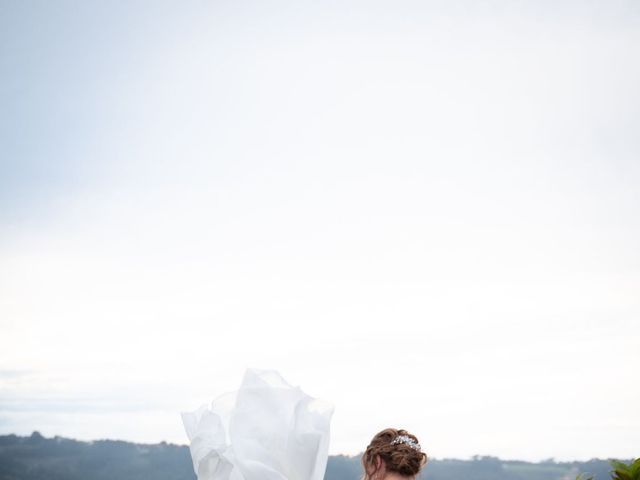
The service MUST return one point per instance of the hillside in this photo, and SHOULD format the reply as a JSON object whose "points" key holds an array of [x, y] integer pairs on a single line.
{"points": [[39, 458]]}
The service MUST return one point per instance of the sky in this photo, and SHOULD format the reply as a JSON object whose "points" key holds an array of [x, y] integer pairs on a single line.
{"points": [[426, 213]]}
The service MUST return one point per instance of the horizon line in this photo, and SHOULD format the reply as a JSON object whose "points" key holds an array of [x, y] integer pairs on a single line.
{"points": [[476, 457]]}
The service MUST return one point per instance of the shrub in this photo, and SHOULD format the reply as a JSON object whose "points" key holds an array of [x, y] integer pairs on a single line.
{"points": [[621, 471]]}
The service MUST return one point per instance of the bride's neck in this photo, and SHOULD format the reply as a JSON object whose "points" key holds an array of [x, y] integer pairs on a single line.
{"points": [[396, 476]]}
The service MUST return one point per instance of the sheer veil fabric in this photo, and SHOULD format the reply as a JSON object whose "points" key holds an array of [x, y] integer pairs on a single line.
{"points": [[265, 430]]}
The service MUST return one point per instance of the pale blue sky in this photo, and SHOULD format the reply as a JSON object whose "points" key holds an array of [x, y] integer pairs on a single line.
{"points": [[426, 213]]}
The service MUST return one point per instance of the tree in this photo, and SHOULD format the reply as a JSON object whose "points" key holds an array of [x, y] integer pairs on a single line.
{"points": [[621, 471]]}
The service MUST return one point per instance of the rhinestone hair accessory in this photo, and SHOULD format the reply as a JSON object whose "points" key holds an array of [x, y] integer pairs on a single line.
{"points": [[407, 440]]}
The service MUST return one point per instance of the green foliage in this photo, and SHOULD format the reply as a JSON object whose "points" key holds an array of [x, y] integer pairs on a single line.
{"points": [[584, 476], [621, 471]]}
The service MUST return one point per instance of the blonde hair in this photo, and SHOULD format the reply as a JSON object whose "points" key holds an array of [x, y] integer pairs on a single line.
{"points": [[399, 458]]}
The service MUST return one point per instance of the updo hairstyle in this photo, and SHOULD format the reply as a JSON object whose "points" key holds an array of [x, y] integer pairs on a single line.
{"points": [[399, 458]]}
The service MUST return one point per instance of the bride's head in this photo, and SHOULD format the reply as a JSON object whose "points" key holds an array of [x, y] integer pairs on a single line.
{"points": [[393, 454]]}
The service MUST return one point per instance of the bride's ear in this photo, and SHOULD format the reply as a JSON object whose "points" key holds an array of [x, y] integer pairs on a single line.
{"points": [[380, 465], [374, 467]]}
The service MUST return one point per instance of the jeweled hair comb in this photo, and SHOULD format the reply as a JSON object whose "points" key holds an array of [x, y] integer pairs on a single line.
{"points": [[407, 440]]}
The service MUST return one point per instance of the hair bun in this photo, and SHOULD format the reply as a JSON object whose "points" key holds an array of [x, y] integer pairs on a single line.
{"points": [[402, 456]]}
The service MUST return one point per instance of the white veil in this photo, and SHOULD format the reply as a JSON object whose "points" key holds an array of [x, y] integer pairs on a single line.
{"points": [[265, 430]]}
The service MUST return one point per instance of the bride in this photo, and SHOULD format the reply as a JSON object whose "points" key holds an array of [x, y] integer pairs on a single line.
{"points": [[270, 430], [393, 455]]}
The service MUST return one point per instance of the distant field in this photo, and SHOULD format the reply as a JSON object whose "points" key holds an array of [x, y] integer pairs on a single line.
{"points": [[540, 472]]}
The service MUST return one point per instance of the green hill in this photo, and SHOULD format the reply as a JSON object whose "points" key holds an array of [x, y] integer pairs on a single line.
{"points": [[39, 458]]}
